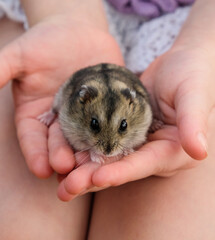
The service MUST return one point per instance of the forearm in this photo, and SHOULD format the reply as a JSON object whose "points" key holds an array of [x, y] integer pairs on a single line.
{"points": [[199, 29], [90, 11]]}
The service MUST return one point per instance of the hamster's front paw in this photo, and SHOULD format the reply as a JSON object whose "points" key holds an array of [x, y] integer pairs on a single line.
{"points": [[128, 151], [96, 157], [156, 125], [47, 118]]}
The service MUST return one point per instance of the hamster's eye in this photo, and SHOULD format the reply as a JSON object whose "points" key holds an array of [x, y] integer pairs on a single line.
{"points": [[123, 126], [95, 125]]}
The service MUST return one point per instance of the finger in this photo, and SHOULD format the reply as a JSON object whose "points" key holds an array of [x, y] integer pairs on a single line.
{"points": [[152, 159], [62, 194], [78, 181], [10, 62], [61, 177], [193, 105], [32, 137], [61, 156]]}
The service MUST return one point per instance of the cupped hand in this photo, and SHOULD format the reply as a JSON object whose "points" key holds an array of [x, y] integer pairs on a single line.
{"points": [[181, 86], [39, 62]]}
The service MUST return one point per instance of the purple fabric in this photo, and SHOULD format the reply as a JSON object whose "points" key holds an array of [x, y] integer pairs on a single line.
{"points": [[149, 8]]}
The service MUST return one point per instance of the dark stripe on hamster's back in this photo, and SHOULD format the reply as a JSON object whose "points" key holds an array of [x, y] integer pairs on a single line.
{"points": [[111, 99], [130, 79], [81, 77], [105, 73]]}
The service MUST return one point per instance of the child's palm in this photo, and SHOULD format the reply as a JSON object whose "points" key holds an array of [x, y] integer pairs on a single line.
{"points": [[181, 86], [40, 61]]}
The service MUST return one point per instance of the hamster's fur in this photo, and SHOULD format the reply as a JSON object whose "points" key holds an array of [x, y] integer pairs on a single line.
{"points": [[104, 109]]}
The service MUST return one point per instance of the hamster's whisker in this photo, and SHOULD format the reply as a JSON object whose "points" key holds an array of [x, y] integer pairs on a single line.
{"points": [[86, 149], [120, 147], [140, 131], [134, 133], [83, 160], [99, 142], [136, 152], [123, 148]]}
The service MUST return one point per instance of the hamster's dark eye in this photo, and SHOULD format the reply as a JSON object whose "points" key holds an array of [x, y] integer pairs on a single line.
{"points": [[95, 125], [123, 126]]}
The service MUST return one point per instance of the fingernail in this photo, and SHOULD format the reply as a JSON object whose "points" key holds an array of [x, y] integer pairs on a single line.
{"points": [[203, 141]]}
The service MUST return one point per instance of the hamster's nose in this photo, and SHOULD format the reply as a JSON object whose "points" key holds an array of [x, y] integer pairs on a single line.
{"points": [[108, 149]]}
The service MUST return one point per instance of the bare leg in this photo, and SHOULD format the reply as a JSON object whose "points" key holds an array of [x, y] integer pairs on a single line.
{"points": [[175, 208], [29, 208]]}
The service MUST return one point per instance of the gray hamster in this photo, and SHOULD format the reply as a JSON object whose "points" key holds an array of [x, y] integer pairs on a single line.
{"points": [[104, 109]]}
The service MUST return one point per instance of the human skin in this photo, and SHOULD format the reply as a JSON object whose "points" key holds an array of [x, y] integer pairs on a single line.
{"points": [[181, 85], [37, 82], [176, 207], [29, 207], [180, 206], [185, 199], [40, 61]]}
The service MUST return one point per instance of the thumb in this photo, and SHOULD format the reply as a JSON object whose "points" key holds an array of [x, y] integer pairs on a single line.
{"points": [[10, 62], [193, 105]]}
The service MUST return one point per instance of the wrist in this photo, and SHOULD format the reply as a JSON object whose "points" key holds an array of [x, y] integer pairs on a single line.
{"points": [[91, 12], [195, 37], [198, 31], [197, 47]]}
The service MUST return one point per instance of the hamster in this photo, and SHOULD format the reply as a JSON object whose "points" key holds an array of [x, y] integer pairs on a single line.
{"points": [[104, 109]]}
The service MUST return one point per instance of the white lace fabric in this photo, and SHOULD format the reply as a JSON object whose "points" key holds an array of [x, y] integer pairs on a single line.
{"points": [[140, 41], [12, 9]]}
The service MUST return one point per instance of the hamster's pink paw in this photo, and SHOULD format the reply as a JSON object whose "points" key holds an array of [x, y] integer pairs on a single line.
{"points": [[47, 118], [81, 158], [96, 157]]}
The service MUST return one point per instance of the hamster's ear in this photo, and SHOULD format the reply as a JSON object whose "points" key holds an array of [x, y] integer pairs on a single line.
{"points": [[129, 94], [87, 93]]}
